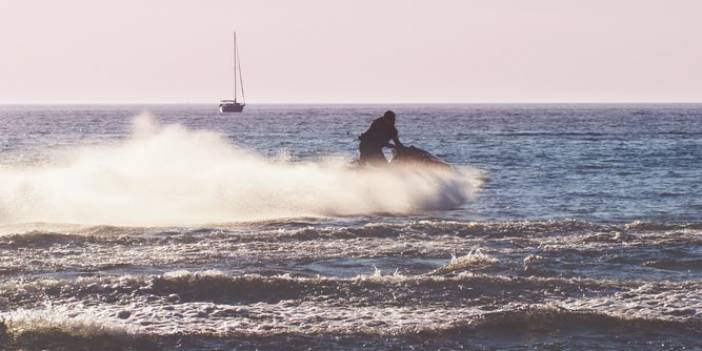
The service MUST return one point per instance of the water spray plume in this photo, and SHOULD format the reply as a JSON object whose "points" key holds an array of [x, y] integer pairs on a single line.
{"points": [[171, 175]]}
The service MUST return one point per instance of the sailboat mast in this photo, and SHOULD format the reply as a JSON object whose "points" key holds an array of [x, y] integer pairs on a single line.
{"points": [[235, 55], [241, 77]]}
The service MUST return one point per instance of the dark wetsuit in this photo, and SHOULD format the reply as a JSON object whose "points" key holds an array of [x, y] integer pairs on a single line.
{"points": [[378, 135]]}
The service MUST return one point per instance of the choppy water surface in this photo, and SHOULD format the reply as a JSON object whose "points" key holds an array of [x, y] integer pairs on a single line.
{"points": [[562, 227]]}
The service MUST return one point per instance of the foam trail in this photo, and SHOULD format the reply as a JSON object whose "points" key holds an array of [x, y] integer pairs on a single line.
{"points": [[170, 175]]}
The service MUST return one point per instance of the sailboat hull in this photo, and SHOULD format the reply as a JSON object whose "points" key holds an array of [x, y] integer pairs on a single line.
{"points": [[231, 107]]}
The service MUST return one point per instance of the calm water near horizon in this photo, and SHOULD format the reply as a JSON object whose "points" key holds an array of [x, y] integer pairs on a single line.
{"points": [[160, 227]]}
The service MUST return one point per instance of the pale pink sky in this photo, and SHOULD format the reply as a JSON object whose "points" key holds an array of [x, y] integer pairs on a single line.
{"points": [[352, 51]]}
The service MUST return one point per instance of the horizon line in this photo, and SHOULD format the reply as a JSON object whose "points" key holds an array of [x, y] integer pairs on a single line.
{"points": [[38, 103]]}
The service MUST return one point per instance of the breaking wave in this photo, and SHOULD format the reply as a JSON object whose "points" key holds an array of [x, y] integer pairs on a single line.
{"points": [[513, 324], [155, 312], [45, 235], [170, 175]]}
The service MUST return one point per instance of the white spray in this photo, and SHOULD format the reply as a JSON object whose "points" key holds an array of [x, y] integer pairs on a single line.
{"points": [[170, 175]]}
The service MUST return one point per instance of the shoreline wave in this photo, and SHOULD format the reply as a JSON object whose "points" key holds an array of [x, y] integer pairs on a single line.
{"points": [[45, 234], [509, 328]]}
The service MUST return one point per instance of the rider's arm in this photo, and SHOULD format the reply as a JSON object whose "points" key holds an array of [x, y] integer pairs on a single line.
{"points": [[395, 139]]}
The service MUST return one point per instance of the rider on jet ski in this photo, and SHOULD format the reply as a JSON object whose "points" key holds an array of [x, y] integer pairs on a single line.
{"points": [[378, 135]]}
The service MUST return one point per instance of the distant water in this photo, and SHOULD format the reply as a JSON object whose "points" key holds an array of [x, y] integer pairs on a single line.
{"points": [[175, 227]]}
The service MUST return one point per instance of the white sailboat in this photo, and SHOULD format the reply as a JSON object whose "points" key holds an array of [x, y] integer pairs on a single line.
{"points": [[234, 105]]}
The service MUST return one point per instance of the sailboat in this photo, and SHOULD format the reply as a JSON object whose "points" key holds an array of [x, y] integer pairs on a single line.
{"points": [[234, 105]]}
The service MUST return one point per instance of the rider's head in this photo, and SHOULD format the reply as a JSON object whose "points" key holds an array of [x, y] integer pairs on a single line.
{"points": [[389, 116]]}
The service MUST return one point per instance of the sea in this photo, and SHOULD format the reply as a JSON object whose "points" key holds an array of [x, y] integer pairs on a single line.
{"points": [[175, 227]]}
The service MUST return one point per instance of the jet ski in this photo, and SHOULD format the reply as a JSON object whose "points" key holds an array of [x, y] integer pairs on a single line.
{"points": [[413, 156]]}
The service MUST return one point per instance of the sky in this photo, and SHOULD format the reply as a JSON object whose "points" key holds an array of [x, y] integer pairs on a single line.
{"points": [[355, 51]]}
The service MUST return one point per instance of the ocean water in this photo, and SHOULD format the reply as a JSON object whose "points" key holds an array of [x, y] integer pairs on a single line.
{"points": [[156, 227]]}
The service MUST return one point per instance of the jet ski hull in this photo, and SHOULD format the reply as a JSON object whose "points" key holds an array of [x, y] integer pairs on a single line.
{"points": [[414, 156]]}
